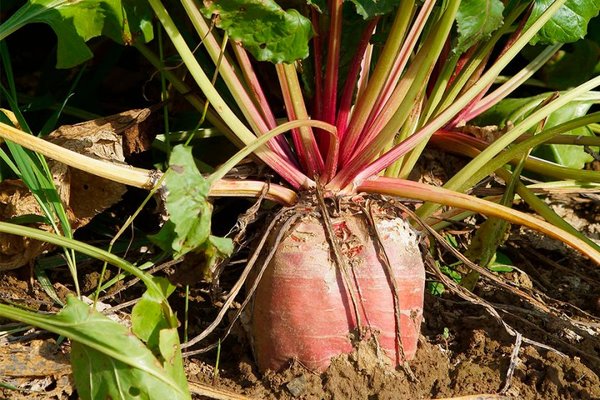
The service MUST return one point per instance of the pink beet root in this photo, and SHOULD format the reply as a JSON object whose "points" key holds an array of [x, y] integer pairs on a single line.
{"points": [[303, 311]]}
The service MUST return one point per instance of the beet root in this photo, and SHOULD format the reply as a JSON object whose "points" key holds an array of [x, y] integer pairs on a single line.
{"points": [[302, 309]]}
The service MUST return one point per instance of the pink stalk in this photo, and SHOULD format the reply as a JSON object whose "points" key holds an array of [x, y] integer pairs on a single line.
{"points": [[365, 71], [259, 97], [421, 191], [289, 108], [459, 118], [461, 63], [249, 188], [364, 103], [255, 87], [232, 80], [333, 155], [459, 137], [356, 171], [402, 59], [377, 135], [352, 79], [507, 87], [294, 101], [362, 167]]}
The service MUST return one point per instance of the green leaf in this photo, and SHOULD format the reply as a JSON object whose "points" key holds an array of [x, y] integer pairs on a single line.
{"points": [[108, 361], [502, 263], [573, 65], [266, 30], [187, 204], [567, 25], [100, 377], [170, 352], [372, 8], [500, 268], [436, 288], [127, 21], [215, 249], [148, 316], [513, 110], [476, 20], [76, 22], [451, 239], [568, 155], [447, 270], [190, 212], [153, 321]]}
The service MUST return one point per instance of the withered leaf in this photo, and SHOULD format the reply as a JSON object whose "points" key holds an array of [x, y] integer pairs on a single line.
{"points": [[85, 195]]}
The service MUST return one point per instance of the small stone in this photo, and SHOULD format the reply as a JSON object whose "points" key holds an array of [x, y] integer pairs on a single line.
{"points": [[297, 386]]}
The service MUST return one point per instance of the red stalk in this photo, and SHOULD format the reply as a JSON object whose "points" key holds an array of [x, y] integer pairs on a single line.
{"points": [[329, 103], [439, 67], [357, 173], [318, 54], [461, 63], [478, 72], [509, 86], [352, 79], [289, 108], [226, 68], [256, 90], [333, 155]]}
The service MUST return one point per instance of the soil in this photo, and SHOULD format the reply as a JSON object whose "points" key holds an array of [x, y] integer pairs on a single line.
{"points": [[463, 350]]}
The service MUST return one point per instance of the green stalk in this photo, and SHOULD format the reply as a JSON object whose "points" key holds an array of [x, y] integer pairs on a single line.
{"points": [[408, 49], [377, 80], [295, 101], [544, 210], [465, 145], [164, 94], [408, 129], [284, 168], [443, 220], [358, 170], [249, 149], [185, 90], [439, 88], [119, 173], [397, 109], [80, 247], [510, 85], [486, 102], [464, 76], [17, 20], [465, 177], [226, 69]]}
